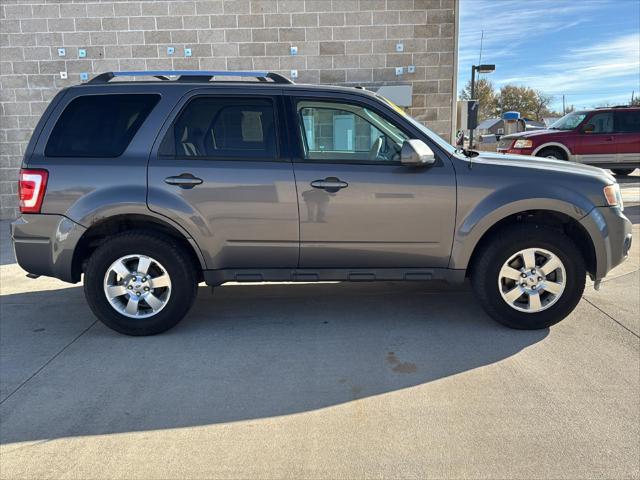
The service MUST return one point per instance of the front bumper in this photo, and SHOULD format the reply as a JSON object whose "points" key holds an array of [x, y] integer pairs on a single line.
{"points": [[610, 232], [44, 245], [516, 151]]}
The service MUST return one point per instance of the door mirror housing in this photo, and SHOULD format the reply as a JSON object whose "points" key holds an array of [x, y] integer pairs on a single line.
{"points": [[416, 153], [589, 128]]}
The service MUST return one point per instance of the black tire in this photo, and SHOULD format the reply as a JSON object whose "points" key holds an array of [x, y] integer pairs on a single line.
{"points": [[622, 172], [501, 247], [173, 258], [551, 153]]}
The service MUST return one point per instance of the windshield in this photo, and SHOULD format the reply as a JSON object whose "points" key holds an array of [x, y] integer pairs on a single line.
{"points": [[441, 142], [569, 121]]}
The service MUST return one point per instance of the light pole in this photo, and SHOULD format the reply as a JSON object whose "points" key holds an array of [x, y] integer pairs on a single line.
{"points": [[485, 68]]}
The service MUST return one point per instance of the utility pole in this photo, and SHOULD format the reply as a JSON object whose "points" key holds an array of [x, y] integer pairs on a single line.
{"points": [[564, 110]]}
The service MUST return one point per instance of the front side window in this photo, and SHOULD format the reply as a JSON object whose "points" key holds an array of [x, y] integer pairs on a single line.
{"points": [[99, 125], [215, 127], [345, 132], [628, 122], [602, 122]]}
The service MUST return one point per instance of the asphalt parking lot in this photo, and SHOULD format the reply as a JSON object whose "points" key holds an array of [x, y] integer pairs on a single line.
{"points": [[321, 381]]}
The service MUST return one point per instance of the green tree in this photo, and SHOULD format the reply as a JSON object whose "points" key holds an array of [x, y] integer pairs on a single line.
{"points": [[485, 94]]}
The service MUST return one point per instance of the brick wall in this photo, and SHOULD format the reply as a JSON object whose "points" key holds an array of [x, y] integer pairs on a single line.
{"points": [[339, 42]]}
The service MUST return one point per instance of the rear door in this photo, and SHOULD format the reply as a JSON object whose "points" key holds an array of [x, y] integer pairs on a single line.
{"points": [[359, 207], [219, 169], [596, 144], [627, 126]]}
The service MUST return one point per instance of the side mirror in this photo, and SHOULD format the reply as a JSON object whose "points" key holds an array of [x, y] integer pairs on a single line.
{"points": [[589, 128], [416, 153]]}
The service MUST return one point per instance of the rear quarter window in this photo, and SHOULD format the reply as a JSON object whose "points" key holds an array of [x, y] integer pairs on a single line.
{"points": [[99, 125], [629, 121]]}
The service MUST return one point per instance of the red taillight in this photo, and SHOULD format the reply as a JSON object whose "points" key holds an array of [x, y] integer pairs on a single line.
{"points": [[31, 187]]}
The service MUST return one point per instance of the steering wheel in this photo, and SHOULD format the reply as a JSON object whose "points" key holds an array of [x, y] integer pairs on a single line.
{"points": [[374, 152]]}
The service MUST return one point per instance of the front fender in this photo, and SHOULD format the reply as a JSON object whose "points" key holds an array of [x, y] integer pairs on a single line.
{"points": [[478, 219]]}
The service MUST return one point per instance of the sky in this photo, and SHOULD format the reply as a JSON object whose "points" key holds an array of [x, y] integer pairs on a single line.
{"points": [[588, 50]]}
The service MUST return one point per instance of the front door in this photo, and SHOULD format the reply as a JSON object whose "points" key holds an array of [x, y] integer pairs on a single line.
{"points": [[597, 142], [359, 207], [220, 174]]}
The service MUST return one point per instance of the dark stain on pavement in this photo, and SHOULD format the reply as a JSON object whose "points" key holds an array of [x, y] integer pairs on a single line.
{"points": [[400, 367]]}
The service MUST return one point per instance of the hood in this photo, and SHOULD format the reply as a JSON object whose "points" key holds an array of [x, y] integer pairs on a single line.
{"points": [[533, 133], [538, 163]]}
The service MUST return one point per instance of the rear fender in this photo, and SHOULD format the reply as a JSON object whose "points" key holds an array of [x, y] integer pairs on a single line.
{"points": [[98, 206]]}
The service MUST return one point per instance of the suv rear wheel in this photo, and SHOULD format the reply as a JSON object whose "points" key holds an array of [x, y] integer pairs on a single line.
{"points": [[529, 277], [140, 283], [623, 172]]}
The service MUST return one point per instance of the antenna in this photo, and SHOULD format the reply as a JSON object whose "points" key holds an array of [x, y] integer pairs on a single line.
{"points": [[480, 56]]}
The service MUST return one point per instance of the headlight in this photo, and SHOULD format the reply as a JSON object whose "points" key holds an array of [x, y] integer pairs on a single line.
{"points": [[613, 196], [523, 144]]}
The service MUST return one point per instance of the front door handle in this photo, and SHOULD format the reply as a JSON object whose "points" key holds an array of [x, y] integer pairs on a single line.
{"points": [[184, 180], [330, 184]]}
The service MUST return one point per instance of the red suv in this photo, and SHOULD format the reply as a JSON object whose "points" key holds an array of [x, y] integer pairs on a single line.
{"points": [[604, 137]]}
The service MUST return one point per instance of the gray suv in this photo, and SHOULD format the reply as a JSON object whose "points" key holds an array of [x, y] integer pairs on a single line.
{"points": [[148, 186]]}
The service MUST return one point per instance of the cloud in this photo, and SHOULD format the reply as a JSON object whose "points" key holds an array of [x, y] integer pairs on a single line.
{"points": [[614, 63], [536, 43], [508, 24]]}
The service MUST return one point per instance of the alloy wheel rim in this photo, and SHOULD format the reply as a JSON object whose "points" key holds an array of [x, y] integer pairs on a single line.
{"points": [[532, 280], [137, 286]]}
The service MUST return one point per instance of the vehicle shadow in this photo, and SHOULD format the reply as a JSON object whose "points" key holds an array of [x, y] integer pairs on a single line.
{"points": [[627, 179], [632, 212], [249, 352], [6, 248]]}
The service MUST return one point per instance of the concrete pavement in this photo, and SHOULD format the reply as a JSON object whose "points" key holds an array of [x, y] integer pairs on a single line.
{"points": [[319, 381]]}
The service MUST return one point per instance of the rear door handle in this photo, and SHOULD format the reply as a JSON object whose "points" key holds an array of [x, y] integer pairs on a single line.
{"points": [[184, 180], [330, 184]]}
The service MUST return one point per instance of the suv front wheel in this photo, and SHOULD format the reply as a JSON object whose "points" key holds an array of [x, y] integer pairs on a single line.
{"points": [[551, 152], [140, 283], [529, 277]]}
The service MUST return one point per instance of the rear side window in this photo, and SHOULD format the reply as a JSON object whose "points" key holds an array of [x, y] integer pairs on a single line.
{"points": [[628, 121], [212, 127], [99, 125]]}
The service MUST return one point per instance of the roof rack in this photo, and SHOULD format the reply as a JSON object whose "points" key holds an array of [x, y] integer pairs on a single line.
{"points": [[190, 75], [615, 106]]}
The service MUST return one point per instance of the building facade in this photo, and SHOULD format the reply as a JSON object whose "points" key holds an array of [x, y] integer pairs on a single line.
{"points": [[48, 45]]}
